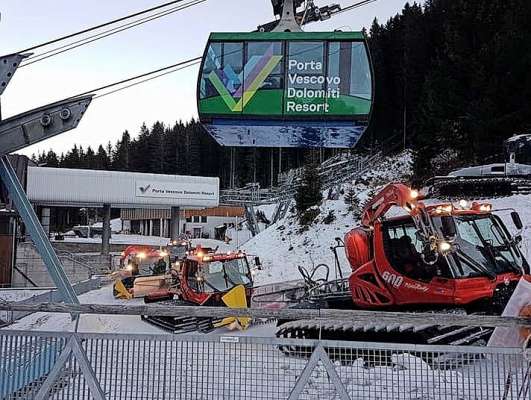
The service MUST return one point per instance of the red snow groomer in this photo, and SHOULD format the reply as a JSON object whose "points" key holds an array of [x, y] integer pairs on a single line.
{"points": [[142, 271], [439, 257], [205, 278]]}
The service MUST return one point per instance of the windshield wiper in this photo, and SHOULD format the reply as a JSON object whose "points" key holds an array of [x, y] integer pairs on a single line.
{"points": [[475, 265]]}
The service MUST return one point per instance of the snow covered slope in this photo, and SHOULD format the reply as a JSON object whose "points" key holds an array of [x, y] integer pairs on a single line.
{"points": [[285, 245]]}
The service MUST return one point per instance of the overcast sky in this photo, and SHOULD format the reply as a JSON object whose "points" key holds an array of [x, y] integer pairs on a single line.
{"points": [[159, 43]]}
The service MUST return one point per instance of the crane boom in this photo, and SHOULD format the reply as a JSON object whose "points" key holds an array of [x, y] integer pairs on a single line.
{"points": [[394, 194]]}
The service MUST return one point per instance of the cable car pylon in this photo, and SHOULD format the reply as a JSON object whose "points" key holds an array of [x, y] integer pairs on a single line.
{"points": [[21, 131]]}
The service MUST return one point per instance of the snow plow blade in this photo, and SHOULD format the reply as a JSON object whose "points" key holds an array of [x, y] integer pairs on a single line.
{"points": [[120, 291], [236, 298], [145, 285]]}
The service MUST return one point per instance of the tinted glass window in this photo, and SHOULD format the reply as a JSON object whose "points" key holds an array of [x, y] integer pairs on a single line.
{"points": [[360, 82], [222, 68], [306, 58], [306, 85], [211, 64], [403, 250], [263, 78], [349, 82]]}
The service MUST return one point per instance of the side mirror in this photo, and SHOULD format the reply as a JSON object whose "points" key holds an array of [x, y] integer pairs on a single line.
{"points": [[258, 262], [449, 229], [517, 220]]}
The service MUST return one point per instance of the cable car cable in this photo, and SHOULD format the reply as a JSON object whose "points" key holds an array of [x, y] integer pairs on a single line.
{"points": [[177, 67], [179, 64], [101, 26], [147, 80], [353, 6], [104, 34]]}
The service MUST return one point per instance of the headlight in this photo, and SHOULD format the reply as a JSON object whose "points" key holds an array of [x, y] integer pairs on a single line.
{"points": [[444, 209], [129, 267], [414, 193], [485, 208], [445, 247]]}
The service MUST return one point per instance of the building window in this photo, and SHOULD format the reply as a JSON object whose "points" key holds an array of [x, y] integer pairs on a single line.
{"points": [[204, 219], [196, 218], [188, 219]]}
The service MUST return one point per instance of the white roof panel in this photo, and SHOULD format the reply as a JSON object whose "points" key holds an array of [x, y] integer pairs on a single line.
{"points": [[73, 187]]}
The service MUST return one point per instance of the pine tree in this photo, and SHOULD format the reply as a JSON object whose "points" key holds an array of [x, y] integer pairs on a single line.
{"points": [[309, 192], [120, 155], [51, 159], [156, 149], [102, 159]]}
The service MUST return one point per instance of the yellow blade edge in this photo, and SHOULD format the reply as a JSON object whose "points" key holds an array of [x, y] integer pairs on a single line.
{"points": [[123, 293], [236, 298]]}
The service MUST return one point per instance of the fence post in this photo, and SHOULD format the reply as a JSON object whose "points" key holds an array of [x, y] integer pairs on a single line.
{"points": [[73, 348], [319, 354]]}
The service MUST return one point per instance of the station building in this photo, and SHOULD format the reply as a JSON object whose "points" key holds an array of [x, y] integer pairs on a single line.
{"points": [[196, 223], [161, 205]]}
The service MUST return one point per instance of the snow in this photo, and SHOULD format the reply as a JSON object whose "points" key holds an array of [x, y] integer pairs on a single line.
{"points": [[286, 245], [517, 138], [116, 225], [14, 295], [88, 323], [282, 247], [123, 239], [494, 170], [522, 205]]}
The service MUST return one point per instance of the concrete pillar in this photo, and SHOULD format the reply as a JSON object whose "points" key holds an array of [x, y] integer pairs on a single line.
{"points": [[150, 228], [45, 220], [106, 235], [175, 223]]}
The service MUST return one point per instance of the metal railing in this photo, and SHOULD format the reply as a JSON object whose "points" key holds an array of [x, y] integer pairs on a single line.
{"points": [[332, 172], [44, 365], [47, 365], [42, 295]]}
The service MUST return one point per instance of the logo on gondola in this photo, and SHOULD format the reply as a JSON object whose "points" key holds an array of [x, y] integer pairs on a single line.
{"points": [[237, 90]]}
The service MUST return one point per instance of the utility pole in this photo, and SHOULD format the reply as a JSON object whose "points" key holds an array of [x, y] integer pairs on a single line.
{"points": [[279, 160], [272, 157]]}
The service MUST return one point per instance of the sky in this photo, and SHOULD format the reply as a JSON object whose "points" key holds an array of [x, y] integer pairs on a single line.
{"points": [[162, 42]]}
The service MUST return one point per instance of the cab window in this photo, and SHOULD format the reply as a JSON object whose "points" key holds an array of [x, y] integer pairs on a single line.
{"points": [[403, 250]]}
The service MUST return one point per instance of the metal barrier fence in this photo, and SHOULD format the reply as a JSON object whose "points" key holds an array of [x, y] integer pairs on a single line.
{"points": [[42, 365], [43, 295]]}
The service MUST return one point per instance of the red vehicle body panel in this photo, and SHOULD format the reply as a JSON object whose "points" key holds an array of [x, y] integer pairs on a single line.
{"points": [[374, 283]]}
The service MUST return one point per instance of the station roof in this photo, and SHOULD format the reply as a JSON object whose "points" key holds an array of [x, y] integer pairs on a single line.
{"points": [[90, 188]]}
